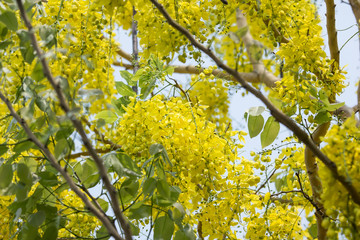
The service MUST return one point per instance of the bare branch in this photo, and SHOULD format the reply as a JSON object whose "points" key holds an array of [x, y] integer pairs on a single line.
{"points": [[276, 113], [314, 178], [265, 76], [83, 154], [355, 6], [78, 125], [135, 56], [99, 214], [331, 30], [252, 77]]}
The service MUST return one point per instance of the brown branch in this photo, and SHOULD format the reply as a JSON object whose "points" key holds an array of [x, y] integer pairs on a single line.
{"points": [[78, 125], [252, 77], [276, 113], [318, 209], [99, 214], [135, 55], [266, 181], [265, 76], [355, 6], [314, 178], [81, 154], [125, 55], [332, 33]]}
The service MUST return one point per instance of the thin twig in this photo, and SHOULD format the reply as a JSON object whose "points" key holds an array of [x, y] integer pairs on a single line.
{"points": [[318, 209]]}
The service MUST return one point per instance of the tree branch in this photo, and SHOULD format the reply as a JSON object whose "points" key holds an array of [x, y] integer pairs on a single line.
{"points": [[100, 215], [252, 77], [355, 6], [276, 113], [314, 178], [135, 56], [78, 125], [331, 30], [265, 76]]}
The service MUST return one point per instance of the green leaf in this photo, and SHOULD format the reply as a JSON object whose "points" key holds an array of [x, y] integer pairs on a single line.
{"points": [[270, 132], [313, 91], [164, 228], [179, 211], [324, 98], [128, 78], [51, 232], [6, 175], [129, 166], [9, 19], [3, 30], [159, 149], [107, 115], [135, 230], [62, 148], [280, 182], [233, 36], [128, 191], [48, 178], [169, 70], [149, 186], [255, 125], [333, 106], [26, 49], [37, 218], [102, 233], [256, 52], [21, 191], [88, 63], [163, 188], [48, 35], [156, 148], [24, 174], [90, 175], [120, 104], [313, 231], [123, 89], [23, 146], [322, 117], [242, 31], [256, 111], [3, 149], [4, 44], [182, 235], [103, 204], [148, 88], [139, 211], [38, 73]]}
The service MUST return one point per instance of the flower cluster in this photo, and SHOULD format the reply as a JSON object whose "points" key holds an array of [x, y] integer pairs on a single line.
{"points": [[342, 147], [212, 93], [78, 221]]}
